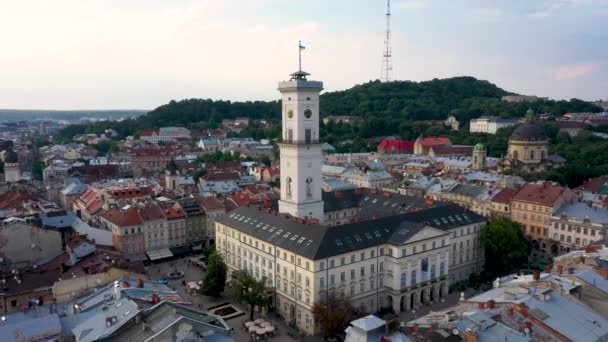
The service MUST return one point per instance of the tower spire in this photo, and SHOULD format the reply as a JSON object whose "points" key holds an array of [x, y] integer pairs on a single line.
{"points": [[387, 66]]}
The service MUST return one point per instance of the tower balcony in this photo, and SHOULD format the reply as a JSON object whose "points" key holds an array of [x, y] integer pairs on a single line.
{"points": [[300, 142]]}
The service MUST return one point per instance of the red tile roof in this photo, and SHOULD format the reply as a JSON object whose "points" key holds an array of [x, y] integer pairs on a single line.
{"points": [[593, 184], [544, 194], [242, 199], [432, 142], [399, 145], [505, 195], [126, 193], [222, 176], [123, 218], [151, 212], [210, 203], [148, 133], [12, 200], [452, 150], [174, 213]]}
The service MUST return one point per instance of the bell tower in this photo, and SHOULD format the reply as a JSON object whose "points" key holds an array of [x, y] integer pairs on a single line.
{"points": [[300, 148]]}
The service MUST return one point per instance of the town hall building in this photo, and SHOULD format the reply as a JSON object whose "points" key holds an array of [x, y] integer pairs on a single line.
{"points": [[390, 260]]}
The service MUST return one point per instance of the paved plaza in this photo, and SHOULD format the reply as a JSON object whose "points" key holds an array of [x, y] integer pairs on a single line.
{"points": [[194, 273]]}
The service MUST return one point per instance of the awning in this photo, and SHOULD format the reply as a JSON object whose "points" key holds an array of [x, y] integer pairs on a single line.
{"points": [[180, 250], [197, 248], [159, 254]]}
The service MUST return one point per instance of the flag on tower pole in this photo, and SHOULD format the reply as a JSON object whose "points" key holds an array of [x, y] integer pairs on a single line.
{"points": [[300, 48]]}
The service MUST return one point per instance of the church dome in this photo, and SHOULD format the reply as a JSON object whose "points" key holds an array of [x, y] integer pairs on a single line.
{"points": [[10, 157], [529, 132], [479, 147]]}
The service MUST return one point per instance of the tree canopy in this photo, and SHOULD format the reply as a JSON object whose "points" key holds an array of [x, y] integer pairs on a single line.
{"points": [[333, 314], [506, 247], [252, 291], [389, 108], [215, 280]]}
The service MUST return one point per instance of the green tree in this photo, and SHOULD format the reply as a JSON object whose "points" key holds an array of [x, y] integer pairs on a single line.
{"points": [[215, 280], [37, 168], [333, 314], [252, 291], [506, 247]]}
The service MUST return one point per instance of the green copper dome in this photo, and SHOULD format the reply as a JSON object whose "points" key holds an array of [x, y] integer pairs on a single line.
{"points": [[479, 147]]}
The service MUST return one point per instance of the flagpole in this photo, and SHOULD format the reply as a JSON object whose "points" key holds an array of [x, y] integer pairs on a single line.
{"points": [[300, 54]]}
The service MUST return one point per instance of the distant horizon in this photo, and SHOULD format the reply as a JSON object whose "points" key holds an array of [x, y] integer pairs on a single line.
{"points": [[278, 98]]}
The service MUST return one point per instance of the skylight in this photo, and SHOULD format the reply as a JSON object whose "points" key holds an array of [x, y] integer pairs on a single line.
{"points": [[338, 242], [358, 238]]}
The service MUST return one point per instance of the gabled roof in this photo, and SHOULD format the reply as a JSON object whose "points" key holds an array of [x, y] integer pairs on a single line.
{"points": [[505, 195], [544, 193], [123, 218], [152, 212], [211, 203]]}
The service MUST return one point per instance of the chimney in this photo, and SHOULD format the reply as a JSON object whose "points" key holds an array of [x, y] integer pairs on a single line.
{"points": [[117, 292], [560, 269], [140, 283], [470, 337], [155, 299], [570, 270], [536, 275], [482, 305], [528, 328], [491, 304]]}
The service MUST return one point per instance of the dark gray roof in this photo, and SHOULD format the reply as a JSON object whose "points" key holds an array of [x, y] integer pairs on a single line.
{"points": [[529, 132], [445, 217], [316, 241], [338, 200], [372, 203]]}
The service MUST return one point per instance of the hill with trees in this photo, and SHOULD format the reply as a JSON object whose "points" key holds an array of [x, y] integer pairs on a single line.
{"points": [[389, 108]]}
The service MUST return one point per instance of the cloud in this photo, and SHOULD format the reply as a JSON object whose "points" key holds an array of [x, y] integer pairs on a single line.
{"points": [[550, 7], [575, 71]]}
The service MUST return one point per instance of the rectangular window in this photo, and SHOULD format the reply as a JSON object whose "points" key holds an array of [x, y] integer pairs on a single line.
{"points": [[331, 263], [322, 282], [308, 135], [322, 265], [290, 135]]}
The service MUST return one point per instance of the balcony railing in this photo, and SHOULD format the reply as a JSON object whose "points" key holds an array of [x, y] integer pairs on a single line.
{"points": [[300, 142]]}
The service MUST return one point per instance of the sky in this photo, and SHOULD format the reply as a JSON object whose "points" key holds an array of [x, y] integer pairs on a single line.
{"points": [[139, 54]]}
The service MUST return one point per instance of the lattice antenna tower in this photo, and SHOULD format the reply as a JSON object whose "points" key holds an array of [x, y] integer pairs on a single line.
{"points": [[387, 63]]}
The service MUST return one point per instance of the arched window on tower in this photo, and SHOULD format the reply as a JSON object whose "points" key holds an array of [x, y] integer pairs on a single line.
{"points": [[515, 154], [288, 187], [531, 154], [309, 188]]}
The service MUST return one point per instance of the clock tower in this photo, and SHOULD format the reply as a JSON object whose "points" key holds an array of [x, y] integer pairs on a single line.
{"points": [[301, 154]]}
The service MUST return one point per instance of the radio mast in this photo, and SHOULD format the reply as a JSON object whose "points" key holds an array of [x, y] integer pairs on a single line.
{"points": [[387, 64]]}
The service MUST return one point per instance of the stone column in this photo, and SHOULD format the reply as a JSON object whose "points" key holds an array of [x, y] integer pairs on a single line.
{"points": [[396, 304]]}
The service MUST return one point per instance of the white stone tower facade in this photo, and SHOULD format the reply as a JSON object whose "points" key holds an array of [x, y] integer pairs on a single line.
{"points": [[301, 154]]}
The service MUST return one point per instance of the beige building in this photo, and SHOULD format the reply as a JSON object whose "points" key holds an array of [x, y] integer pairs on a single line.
{"points": [[381, 263], [534, 205], [576, 226]]}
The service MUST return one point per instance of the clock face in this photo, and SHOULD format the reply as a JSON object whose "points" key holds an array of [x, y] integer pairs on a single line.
{"points": [[290, 113], [307, 113]]}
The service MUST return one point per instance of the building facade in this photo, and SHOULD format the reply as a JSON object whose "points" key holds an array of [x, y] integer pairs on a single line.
{"points": [[576, 226], [384, 263], [489, 124]]}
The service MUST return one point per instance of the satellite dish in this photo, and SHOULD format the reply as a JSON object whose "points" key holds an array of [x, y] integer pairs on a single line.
{"points": [[455, 331]]}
